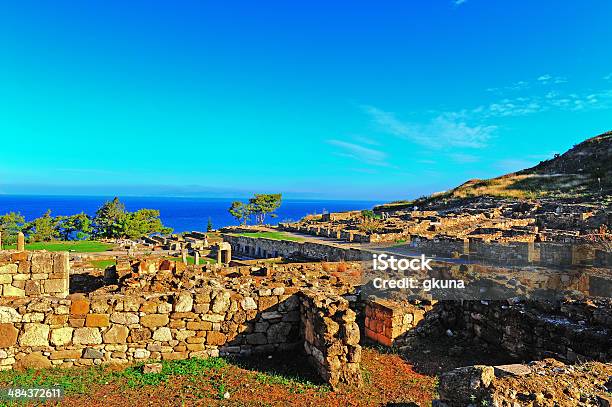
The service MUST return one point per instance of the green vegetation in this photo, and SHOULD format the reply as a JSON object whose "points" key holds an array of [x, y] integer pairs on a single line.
{"points": [[191, 260], [79, 381], [272, 235], [103, 264], [81, 246], [10, 224], [259, 206], [112, 220]]}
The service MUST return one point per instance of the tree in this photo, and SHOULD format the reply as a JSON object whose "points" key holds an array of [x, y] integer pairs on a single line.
{"points": [[108, 217], [42, 229], [10, 224], [240, 211], [141, 223], [263, 204], [75, 227], [209, 227], [113, 221]]}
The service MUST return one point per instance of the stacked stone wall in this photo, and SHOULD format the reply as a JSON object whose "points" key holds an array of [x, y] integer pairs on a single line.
{"points": [[568, 331], [331, 338], [25, 274]]}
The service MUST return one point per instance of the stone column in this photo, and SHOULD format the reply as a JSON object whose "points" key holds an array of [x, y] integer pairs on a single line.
{"points": [[197, 257], [184, 256], [20, 241]]}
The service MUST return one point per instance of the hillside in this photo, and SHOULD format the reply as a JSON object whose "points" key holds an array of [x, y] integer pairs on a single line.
{"points": [[582, 173]]}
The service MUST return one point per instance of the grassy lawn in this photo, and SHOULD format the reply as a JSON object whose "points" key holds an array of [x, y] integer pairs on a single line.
{"points": [[272, 235], [103, 264], [81, 246], [191, 260]]}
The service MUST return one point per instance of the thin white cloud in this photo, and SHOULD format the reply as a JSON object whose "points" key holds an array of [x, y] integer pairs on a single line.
{"points": [[459, 2], [360, 153], [445, 130], [608, 77], [548, 78]]}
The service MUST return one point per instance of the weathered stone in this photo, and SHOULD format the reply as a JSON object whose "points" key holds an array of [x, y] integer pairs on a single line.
{"points": [[9, 314], [463, 384], [124, 318], [248, 303], [66, 354], [162, 334], [34, 335], [61, 336], [79, 307], [184, 302], [12, 291], [116, 334], [256, 339], [87, 336], [152, 368], [215, 338], [8, 335], [96, 320], [34, 360], [141, 354], [221, 302], [199, 326], [8, 269], [91, 353], [140, 334], [154, 320], [55, 286]]}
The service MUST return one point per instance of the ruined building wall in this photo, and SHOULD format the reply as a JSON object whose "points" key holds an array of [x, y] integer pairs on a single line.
{"points": [[331, 338], [33, 273], [566, 331], [262, 248], [41, 330]]}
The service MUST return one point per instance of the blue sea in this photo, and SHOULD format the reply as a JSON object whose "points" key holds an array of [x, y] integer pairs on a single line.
{"points": [[181, 214]]}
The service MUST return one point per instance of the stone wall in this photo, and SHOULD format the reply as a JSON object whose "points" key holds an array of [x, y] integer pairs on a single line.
{"points": [[122, 328], [390, 323], [263, 248], [331, 338], [239, 315], [33, 273], [566, 330]]}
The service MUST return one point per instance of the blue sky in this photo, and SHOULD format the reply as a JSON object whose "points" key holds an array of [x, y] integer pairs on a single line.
{"points": [[343, 99]]}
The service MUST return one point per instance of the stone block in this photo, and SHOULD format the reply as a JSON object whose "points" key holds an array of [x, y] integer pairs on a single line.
{"points": [[79, 307], [87, 336], [34, 334], [116, 334], [97, 320], [154, 320], [61, 336], [215, 338], [8, 335], [162, 334]]}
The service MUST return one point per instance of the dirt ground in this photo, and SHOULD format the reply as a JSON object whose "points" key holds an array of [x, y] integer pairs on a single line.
{"points": [[388, 380]]}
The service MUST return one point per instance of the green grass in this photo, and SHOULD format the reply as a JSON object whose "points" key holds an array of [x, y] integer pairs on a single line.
{"points": [[103, 264], [272, 235], [81, 246], [191, 260], [80, 380]]}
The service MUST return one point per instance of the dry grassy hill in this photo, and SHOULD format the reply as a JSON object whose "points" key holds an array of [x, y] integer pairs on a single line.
{"points": [[582, 173]]}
